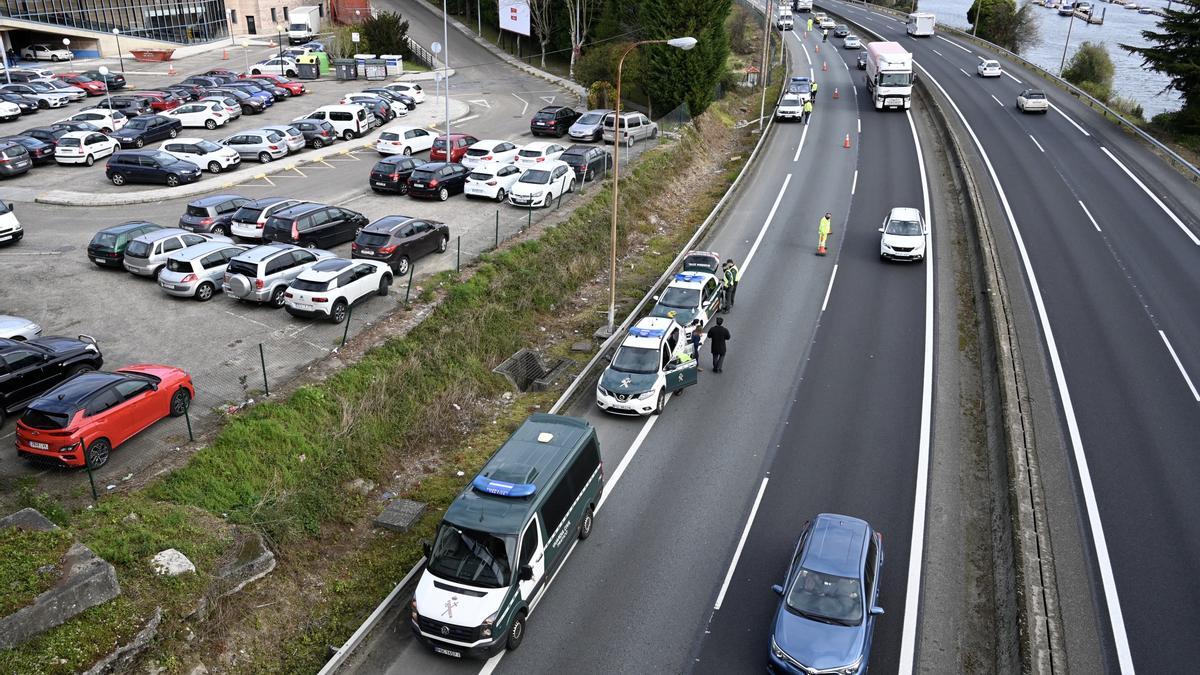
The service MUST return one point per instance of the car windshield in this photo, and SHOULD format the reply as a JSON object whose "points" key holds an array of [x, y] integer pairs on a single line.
{"points": [[306, 285], [179, 265], [590, 118], [636, 360], [69, 143], [895, 79], [907, 228], [375, 239], [826, 597], [471, 557], [207, 146], [536, 176], [138, 123], [137, 249], [683, 298]]}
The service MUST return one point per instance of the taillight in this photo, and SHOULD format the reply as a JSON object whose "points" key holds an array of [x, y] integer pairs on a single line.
{"points": [[491, 182], [541, 159], [487, 158], [394, 176], [258, 284], [354, 246], [273, 147], [206, 221], [433, 183], [320, 299], [287, 294], [188, 279], [387, 249], [295, 230]]}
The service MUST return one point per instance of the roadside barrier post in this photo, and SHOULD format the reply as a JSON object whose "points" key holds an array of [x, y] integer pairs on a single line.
{"points": [[458, 256], [529, 218], [408, 290], [559, 205], [262, 359], [346, 331]]}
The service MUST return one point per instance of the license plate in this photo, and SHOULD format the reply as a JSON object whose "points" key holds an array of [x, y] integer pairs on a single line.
{"points": [[38, 446], [381, 183], [302, 306], [367, 251], [448, 652], [418, 185], [100, 260]]}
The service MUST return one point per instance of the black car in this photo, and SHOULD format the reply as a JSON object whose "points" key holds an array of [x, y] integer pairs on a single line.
{"points": [[587, 161], [112, 80], [22, 76], [390, 174], [144, 129], [149, 166], [553, 120], [130, 106], [75, 125], [862, 60], [46, 134], [40, 152], [107, 248], [14, 159], [30, 368], [841, 30], [27, 104], [203, 81], [211, 214], [314, 225], [393, 97], [437, 179], [317, 133], [250, 104], [399, 240]]}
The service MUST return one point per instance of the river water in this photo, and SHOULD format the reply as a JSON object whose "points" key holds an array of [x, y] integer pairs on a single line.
{"points": [[1120, 26]]}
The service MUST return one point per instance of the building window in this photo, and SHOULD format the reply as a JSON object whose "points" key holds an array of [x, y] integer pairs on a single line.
{"points": [[285, 16], [273, 18], [233, 16]]}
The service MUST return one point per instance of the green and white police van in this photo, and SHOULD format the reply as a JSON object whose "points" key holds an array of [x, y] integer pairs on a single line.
{"points": [[689, 296], [646, 368], [505, 535]]}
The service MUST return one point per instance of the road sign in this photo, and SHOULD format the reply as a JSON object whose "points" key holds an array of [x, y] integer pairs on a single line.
{"points": [[436, 48]]}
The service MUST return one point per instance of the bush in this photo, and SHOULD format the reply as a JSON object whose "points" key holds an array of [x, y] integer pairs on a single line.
{"points": [[601, 95], [739, 41], [1091, 69]]}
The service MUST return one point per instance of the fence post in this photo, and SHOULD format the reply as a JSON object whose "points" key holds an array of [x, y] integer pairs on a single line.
{"points": [[497, 229], [346, 331], [408, 290], [529, 219], [458, 256], [262, 358], [559, 204], [187, 417], [87, 465]]}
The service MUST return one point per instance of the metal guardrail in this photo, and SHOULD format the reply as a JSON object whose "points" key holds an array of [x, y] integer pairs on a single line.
{"points": [[420, 53]]}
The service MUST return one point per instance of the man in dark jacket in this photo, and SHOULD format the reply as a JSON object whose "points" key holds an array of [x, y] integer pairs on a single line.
{"points": [[718, 335]]}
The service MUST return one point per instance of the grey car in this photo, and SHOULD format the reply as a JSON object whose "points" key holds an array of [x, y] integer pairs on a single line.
{"points": [[589, 126], [634, 127], [263, 273], [261, 144], [147, 255], [292, 136], [197, 271]]}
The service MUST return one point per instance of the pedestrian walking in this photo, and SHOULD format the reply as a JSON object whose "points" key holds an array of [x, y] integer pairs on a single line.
{"points": [[732, 276], [696, 337], [824, 229], [808, 107], [718, 335], [810, 25]]}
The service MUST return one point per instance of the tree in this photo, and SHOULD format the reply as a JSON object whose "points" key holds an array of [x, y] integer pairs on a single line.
{"points": [[580, 15], [541, 19], [672, 76], [1091, 69], [1002, 23], [1174, 51], [599, 64], [385, 33]]}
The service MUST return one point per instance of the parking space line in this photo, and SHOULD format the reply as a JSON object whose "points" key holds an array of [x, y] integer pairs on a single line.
{"points": [[253, 321], [522, 101]]}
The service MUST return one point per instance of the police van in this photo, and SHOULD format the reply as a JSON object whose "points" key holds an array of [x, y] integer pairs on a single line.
{"points": [[688, 297], [646, 368], [504, 536]]}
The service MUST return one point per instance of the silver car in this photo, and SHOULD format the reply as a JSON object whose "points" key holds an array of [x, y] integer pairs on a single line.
{"points": [[634, 127], [292, 136], [16, 328], [196, 271], [589, 126], [261, 144], [263, 273], [61, 87], [147, 255], [45, 96]]}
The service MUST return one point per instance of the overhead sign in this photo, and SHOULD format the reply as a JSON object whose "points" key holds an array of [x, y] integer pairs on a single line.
{"points": [[514, 16]]}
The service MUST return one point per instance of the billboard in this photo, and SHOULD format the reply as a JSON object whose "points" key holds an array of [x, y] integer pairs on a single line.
{"points": [[514, 16]]}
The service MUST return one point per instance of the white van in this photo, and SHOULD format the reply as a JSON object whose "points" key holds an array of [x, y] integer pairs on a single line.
{"points": [[349, 121]]}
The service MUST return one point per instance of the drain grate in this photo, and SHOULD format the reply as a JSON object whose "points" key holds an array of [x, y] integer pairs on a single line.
{"points": [[528, 370]]}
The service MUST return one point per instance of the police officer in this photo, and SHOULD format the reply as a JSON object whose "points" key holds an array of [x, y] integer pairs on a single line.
{"points": [[810, 25], [824, 35], [695, 337], [718, 335], [732, 276], [812, 89], [808, 108]]}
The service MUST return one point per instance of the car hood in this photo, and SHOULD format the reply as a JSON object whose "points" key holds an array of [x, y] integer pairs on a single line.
{"points": [[128, 132], [467, 607], [526, 189], [168, 374], [903, 240], [60, 344], [588, 126], [621, 382], [818, 645], [682, 316]]}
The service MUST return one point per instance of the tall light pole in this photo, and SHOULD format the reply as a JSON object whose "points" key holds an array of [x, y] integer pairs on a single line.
{"points": [[762, 106], [1063, 62], [684, 43], [446, 75], [107, 93], [279, 28], [117, 34]]}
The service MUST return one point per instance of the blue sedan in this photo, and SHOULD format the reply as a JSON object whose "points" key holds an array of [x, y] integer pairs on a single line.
{"points": [[827, 606]]}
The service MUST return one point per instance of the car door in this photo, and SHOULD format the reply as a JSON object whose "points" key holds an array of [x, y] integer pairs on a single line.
{"points": [[711, 297], [364, 283], [133, 410], [213, 265], [679, 375], [300, 260], [420, 241], [192, 239], [27, 377], [531, 564]]}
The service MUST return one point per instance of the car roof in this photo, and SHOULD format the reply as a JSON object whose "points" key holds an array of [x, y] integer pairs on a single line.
{"points": [[186, 139], [125, 227], [71, 394], [905, 213], [493, 167], [264, 251], [648, 332], [327, 269], [193, 252], [551, 108], [398, 159], [78, 134], [432, 166], [599, 111], [488, 143], [213, 199], [540, 146], [551, 164], [162, 234], [691, 279], [267, 201], [836, 545], [298, 210], [387, 224]]}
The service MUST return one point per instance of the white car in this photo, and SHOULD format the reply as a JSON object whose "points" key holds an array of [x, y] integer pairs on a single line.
{"points": [[229, 105], [826, 22], [107, 121], [16, 328], [541, 185], [483, 152], [207, 114], [988, 68], [42, 52], [403, 140], [84, 147], [57, 85], [45, 96], [903, 235], [9, 111], [10, 228], [284, 66], [1033, 100], [329, 288], [203, 153], [491, 181], [645, 368], [410, 89], [851, 42], [537, 153]]}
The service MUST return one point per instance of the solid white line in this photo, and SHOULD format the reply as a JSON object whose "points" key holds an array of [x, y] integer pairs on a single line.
{"points": [[465, 119], [812, 74], [954, 44], [853, 187], [1089, 215], [860, 125], [997, 100], [770, 216], [1179, 365], [1064, 116], [1036, 143], [522, 101], [1153, 196], [964, 72], [1103, 561], [741, 543], [938, 53], [1005, 73], [829, 290], [803, 135]]}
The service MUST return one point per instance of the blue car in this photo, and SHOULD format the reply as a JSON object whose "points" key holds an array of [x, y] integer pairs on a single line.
{"points": [[827, 606]]}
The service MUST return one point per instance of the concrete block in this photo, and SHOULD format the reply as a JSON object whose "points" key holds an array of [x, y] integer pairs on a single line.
{"points": [[172, 563], [400, 515], [27, 519], [87, 581]]}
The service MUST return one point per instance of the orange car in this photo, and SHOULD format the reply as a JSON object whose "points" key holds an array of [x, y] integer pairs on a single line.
{"points": [[95, 412]]}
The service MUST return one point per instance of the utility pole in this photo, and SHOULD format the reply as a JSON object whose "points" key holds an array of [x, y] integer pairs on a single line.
{"points": [[762, 108]]}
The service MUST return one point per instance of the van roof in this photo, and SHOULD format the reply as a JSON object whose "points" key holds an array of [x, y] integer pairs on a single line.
{"points": [[522, 460]]}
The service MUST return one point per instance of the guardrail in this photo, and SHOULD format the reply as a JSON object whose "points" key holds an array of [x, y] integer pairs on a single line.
{"points": [[420, 53]]}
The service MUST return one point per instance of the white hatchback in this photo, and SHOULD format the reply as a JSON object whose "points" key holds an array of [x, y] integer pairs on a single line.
{"points": [[409, 89], [107, 121], [537, 153], [203, 153], [491, 181], [403, 140], [988, 68], [487, 151], [329, 288], [207, 114], [541, 185], [84, 147], [903, 235]]}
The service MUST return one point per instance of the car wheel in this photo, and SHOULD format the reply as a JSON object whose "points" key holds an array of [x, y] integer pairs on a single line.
{"points": [[54, 58], [277, 296], [205, 292], [516, 632], [139, 143], [264, 157], [443, 245], [255, 71], [98, 452], [172, 180], [310, 245], [210, 124], [174, 133], [501, 195], [590, 176], [348, 135], [585, 525], [214, 167], [338, 313], [571, 186], [117, 179], [407, 152], [221, 229], [384, 284], [106, 130], [318, 144], [43, 104], [662, 401], [180, 401], [89, 160], [443, 194], [402, 266]]}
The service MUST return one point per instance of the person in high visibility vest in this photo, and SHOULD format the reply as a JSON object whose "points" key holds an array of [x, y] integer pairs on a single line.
{"points": [[824, 229], [812, 89], [682, 358], [732, 276], [807, 110], [810, 25]]}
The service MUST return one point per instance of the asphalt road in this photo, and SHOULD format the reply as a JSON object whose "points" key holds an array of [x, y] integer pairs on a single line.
{"points": [[1109, 236]]}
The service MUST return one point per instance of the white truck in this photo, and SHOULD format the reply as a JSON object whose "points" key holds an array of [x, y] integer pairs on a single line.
{"points": [[921, 24], [889, 75], [304, 24], [802, 5], [783, 18]]}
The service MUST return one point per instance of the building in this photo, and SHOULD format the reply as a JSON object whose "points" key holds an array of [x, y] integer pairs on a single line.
{"points": [[263, 17]]}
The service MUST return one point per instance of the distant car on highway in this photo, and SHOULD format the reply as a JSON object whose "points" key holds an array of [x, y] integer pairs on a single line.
{"points": [[1033, 100], [988, 68], [851, 42], [841, 30], [903, 235]]}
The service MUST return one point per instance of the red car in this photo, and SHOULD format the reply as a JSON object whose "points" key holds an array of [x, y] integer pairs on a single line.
{"points": [[159, 100], [92, 87], [95, 412], [292, 86], [458, 147]]}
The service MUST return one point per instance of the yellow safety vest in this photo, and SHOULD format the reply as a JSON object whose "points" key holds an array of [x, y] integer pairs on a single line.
{"points": [[825, 226]]}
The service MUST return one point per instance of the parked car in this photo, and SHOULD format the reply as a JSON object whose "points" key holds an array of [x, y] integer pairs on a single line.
{"points": [[203, 153], [44, 52], [378, 107], [587, 161], [147, 255], [538, 152], [250, 104], [256, 94], [107, 121], [130, 106], [390, 174], [31, 367], [276, 93], [286, 67], [249, 220], [84, 147], [16, 328], [328, 289], [10, 228], [1033, 100], [399, 101], [262, 274], [26, 105], [482, 152], [71, 125], [410, 89], [212, 213], [206, 81], [46, 134], [841, 30], [113, 81], [400, 240], [9, 111], [197, 271], [541, 185], [458, 147], [553, 120], [208, 114], [56, 85], [437, 179], [230, 104], [634, 127], [144, 129], [292, 137], [261, 144], [107, 247], [14, 159], [159, 101], [350, 121], [91, 414], [22, 75], [403, 140], [314, 225], [223, 73], [45, 96], [293, 87], [491, 181], [317, 133], [589, 126], [40, 152], [187, 93], [150, 166]]}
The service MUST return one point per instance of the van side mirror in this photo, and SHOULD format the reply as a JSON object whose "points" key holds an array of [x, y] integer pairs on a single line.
{"points": [[525, 573], [876, 611], [427, 548], [778, 589], [881, 229]]}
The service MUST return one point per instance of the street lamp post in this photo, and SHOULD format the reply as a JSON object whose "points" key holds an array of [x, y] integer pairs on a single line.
{"points": [[117, 34], [107, 93], [1063, 62], [446, 75], [279, 29], [67, 44], [684, 43]]}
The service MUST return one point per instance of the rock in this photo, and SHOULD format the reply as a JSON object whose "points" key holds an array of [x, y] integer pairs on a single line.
{"points": [[172, 563], [199, 669], [251, 561], [87, 581], [131, 518], [400, 515], [507, 396], [120, 659], [361, 486], [28, 519], [582, 347]]}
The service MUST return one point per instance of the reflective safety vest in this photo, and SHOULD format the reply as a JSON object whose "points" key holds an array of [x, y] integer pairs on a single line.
{"points": [[732, 274], [810, 25], [813, 88], [825, 226], [684, 357], [808, 106]]}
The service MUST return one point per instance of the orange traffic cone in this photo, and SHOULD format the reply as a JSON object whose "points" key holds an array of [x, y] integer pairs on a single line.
{"points": [[818, 49], [224, 54], [821, 249], [271, 43], [835, 93], [171, 69], [824, 65], [846, 143]]}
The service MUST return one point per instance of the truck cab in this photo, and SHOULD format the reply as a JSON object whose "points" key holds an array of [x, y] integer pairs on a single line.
{"points": [[889, 75], [304, 24], [645, 368]]}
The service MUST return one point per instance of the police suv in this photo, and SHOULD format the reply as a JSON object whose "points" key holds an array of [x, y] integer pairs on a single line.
{"points": [[690, 296], [646, 368]]}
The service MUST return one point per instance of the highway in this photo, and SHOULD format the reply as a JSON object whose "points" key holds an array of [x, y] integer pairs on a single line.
{"points": [[1107, 240]]}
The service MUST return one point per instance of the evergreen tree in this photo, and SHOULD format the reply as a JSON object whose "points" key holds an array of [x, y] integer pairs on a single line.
{"points": [[1174, 50], [672, 76], [1001, 22]]}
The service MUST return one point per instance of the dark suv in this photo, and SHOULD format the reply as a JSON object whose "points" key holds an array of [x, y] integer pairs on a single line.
{"points": [[437, 179], [399, 240], [150, 166], [553, 120], [130, 106], [32, 367], [587, 161], [107, 248], [211, 214], [390, 174], [314, 225]]}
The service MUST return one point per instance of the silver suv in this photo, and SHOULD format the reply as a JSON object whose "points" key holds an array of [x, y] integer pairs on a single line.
{"points": [[263, 273], [147, 255], [196, 271]]}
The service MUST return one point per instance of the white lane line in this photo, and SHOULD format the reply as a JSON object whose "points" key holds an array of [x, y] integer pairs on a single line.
{"points": [[964, 72], [938, 53], [1115, 616], [1089, 215], [997, 100], [522, 101], [1005, 73], [465, 119], [1179, 365], [1153, 196], [1036, 143], [846, 65], [916, 551], [741, 543], [803, 135], [825, 302], [766, 225], [953, 44], [853, 187], [860, 125], [812, 74], [1064, 116]]}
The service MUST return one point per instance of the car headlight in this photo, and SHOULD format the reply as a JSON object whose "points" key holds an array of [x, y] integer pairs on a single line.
{"points": [[413, 607], [642, 396], [485, 628], [779, 653]]}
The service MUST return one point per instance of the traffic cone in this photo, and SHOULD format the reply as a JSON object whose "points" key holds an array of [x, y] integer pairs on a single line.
{"points": [[846, 143], [824, 65], [271, 43], [818, 49], [821, 249], [224, 54], [171, 69], [835, 93]]}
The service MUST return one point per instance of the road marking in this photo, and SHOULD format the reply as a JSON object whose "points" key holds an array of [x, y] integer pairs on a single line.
{"points": [[1005, 73], [1089, 215], [767, 224], [964, 72], [548, 99], [468, 118], [938, 53], [953, 44], [1039, 145], [1179, 365], [803, 135], [737, 553], [846, 65], [352, 199], [825, 302], [1115, 615], [1153, 196], [1064, 116], [522, 101], [853, 186], [480, 101], [997, 100], [812, 74], [253, 321], [860, 125]]}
